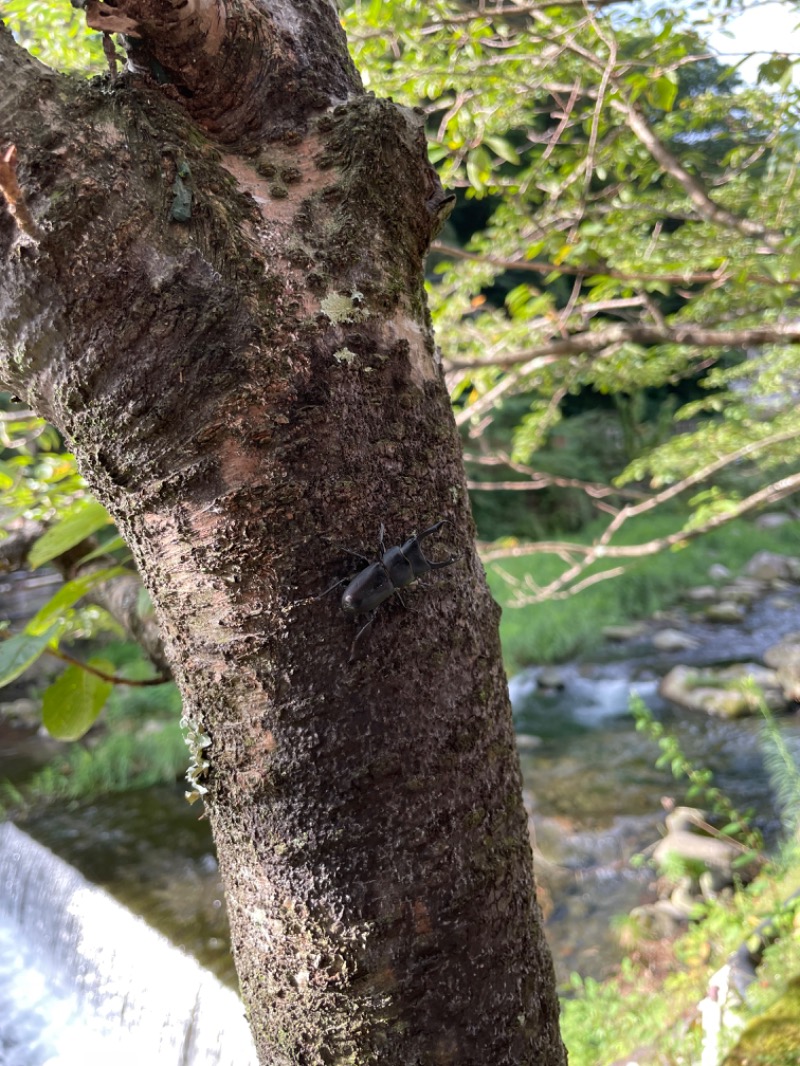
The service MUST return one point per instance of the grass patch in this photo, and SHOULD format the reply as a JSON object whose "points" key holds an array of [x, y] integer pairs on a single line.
{"points": [[118, 762], [137, 742], [557, 630]]}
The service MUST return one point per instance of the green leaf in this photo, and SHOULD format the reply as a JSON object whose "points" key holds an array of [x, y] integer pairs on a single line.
{"points": [[774, 70], [67, 595], [18, 652], [479, 169], [70, 705], [662, 92], [74, 527], [106, 548], [500, 146]]}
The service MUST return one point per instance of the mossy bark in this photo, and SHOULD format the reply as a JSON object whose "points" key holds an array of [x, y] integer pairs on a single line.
{"points": [[233, 337]]}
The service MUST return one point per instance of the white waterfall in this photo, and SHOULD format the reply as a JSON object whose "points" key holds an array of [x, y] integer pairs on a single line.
{"points": [[85, 982]]}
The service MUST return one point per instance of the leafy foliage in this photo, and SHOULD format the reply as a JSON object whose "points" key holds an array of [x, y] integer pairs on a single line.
{"points": [[624, 200], [738, 825], [41, 484], [72, 703], [56, 33]]}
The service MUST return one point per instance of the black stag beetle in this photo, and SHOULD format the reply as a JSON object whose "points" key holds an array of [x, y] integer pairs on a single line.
{"points": [[394, 569]]}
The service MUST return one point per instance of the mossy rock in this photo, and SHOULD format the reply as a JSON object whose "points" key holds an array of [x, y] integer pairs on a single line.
{"points": [[773, 1038]]}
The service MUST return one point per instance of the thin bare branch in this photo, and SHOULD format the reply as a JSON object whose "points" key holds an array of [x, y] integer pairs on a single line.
{"points": [[483, 403], [601, 549], [114, 679], [537, 266], [595, 341], [539, 480], [707, 208]]}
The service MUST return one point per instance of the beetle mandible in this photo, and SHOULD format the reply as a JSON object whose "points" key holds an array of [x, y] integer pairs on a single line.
{"points": [[395, 569]]}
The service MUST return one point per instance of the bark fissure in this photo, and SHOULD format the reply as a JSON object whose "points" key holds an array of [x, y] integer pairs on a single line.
{"points": [[246, 390]]}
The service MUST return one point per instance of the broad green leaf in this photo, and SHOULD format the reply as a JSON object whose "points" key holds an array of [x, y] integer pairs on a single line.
{"points": [[662, 92], [105, 549], [773, 70], [18, 652], [70, 705], [67, 595], [74, 527], [500, 146], [479, 168]]}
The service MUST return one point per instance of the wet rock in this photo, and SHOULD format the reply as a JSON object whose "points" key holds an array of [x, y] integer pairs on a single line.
{"points": [[550, 677], [712, 884], [685, 819], [718, 572], [702, 594], [784, 658], [684, 898], [622, 633], [726, 612], [528, 742], [660, 919], [721, 692], [714, 853], [743, 590], [673, 640], [769, 566], [780, 603]]}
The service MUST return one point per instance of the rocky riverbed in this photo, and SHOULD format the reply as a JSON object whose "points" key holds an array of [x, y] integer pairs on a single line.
{"points": [[594, 794]]}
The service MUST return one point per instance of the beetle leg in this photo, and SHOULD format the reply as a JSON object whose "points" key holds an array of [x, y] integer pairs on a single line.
{"points": [[358, 636], [347, 551], [381, 535], [330, 588], [356, 555]]}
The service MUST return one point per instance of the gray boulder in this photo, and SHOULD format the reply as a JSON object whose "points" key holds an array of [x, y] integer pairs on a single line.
{"points": [[721, 692]]}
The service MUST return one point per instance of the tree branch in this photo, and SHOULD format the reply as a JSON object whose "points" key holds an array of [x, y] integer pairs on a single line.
{"points": [[537, 480], [536, 266], [229, 63], [114, 679], [707, 208], [593, 341], [566, 584]]}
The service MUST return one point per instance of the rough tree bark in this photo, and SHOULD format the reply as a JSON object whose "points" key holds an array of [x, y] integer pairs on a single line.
{"points": [[212, 284]]}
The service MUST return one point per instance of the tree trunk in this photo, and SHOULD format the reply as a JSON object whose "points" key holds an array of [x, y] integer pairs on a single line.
{"points": [[213, 286]]}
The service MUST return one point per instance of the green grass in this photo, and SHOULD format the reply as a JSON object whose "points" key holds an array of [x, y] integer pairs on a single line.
{"points": [[557, 630], [118, 762], [137, 742]]}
